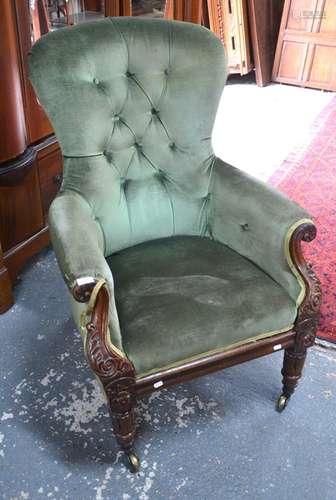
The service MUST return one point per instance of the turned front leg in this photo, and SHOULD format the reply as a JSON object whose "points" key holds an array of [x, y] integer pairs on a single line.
{"points": [[120, 398], [308, 312], [292, 370], [124, 429]]}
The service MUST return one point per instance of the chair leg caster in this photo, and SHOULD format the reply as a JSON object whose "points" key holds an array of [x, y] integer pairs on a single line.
{"points": [[282, 402], [133, 461]]}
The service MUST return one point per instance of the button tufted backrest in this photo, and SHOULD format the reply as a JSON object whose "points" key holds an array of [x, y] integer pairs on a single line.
{"points": [[133, 102]]}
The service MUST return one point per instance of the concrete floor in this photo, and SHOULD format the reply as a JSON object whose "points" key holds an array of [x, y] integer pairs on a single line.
{"points": [[257, 128], [218, 437]]}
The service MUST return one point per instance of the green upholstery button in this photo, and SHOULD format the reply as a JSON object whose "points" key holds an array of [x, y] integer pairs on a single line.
{"points": [[96, 81], [108, 155]]}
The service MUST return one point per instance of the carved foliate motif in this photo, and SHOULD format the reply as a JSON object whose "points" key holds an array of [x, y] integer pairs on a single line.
{"points": [[306, 323], [104, 363], [312, 304], [115, 372]]}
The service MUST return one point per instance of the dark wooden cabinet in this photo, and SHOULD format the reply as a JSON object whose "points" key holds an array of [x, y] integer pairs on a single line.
{"points": [[28, 184], [30, 158], [20, 205], [50, 175]]}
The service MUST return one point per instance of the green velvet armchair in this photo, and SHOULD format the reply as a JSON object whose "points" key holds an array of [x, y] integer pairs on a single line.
{"points": [[178, 264]]}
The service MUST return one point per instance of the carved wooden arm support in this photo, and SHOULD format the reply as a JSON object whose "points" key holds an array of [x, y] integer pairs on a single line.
{"points": [[306, 322], [111, 366]]}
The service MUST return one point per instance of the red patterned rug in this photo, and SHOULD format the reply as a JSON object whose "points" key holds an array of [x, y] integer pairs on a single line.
{"points": [[308, 176]]}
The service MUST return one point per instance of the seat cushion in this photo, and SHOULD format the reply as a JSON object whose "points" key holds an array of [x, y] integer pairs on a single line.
{"points": [[180, 297]]}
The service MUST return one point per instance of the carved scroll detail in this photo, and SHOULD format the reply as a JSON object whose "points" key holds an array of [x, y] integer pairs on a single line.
{"points": [[115, 372], [306, 323]]}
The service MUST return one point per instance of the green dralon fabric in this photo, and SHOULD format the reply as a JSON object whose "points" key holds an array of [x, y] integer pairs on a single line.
{"points": [[133, 102], [79, 246], [181, 296], [253, 219]]}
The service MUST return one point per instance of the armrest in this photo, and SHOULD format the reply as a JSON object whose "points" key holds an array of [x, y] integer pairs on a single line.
{"points": [[77, 239], [258, 222], [79, 247]]}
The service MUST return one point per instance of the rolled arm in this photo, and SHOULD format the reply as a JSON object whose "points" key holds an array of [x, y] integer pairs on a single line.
{"points": [[78, 244], [79, 247], [258, 222]]}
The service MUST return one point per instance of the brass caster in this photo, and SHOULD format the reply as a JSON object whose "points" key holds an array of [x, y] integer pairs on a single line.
{"points": [[133, 461], [282, 402]]}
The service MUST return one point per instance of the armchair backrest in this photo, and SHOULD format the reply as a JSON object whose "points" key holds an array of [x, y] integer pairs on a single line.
{"points": [[133, 102]]}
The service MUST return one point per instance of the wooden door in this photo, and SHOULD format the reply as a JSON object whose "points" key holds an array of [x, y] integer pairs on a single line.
{"points": [[306, 49]]}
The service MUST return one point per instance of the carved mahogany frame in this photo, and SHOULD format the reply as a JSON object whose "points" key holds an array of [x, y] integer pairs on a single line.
{"points": [[118, 376], [115, 372]]}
